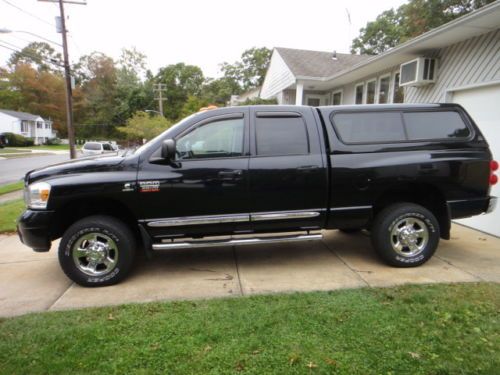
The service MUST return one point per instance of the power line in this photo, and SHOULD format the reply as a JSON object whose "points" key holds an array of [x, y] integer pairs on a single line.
{"points": [[28, 13]]}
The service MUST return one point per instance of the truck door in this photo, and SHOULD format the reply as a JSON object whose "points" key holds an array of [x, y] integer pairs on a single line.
{"points": [[287, 171], [205, 190]]}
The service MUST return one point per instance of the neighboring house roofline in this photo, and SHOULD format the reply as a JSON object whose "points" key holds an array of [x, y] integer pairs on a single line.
{"points": [[21, 115], [448, 32]]}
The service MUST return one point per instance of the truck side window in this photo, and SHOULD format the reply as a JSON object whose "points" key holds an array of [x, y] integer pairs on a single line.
{"points": [[221, 138], [435, 125], [281, 136], [369, 127]]}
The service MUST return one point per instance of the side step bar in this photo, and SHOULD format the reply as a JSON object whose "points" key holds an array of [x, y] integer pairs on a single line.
{"points": [[236, 242]]}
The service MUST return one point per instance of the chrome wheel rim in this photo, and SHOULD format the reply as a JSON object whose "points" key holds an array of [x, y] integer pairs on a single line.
{"points": [[409, 237], [95, 254]]}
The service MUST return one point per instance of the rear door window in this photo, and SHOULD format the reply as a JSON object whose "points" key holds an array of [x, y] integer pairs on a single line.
{"points": [[281, 135], [370, 127], [435, 125]]}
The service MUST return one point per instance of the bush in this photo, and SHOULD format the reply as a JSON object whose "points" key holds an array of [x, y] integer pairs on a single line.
{"points": [[16, 140], [53, 141]]}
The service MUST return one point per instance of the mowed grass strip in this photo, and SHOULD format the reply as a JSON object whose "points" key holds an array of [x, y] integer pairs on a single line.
{"points": [[427, 329], [9, 212], [8, 188]]}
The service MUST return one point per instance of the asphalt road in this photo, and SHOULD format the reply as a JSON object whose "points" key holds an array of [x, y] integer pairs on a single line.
{"points": [[12, 170]]}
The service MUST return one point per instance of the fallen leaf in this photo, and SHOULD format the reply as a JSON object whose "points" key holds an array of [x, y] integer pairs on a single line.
{"points": [[111, 317], [311, 365], [414, 355], [331, 362]]}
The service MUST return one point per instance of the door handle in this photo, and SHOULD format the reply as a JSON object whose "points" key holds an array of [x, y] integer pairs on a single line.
{"points": [[230, 174]]}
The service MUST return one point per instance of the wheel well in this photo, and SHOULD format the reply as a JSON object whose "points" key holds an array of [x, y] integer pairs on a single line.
{"points": [[427, 196], [76, 210]]}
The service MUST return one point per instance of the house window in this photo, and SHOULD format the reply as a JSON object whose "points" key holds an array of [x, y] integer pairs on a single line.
{"points": [[47, 125], [313, 102], [359, 94], [370, 92], [398, 94], [337, 98], [39, 125], [383, 89], [25, 127]]}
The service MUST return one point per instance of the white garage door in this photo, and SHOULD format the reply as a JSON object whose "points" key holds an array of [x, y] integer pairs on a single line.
{"points": [[483, 104]]}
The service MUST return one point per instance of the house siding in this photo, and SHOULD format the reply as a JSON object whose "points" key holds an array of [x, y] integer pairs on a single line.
{"points": [[473, 61], [278, 78]]}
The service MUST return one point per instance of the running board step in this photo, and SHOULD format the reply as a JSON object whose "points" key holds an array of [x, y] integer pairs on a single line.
{"points": [[235, 242]]}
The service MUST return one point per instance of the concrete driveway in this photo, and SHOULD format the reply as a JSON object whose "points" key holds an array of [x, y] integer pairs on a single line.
{"points": [[34, 282]]}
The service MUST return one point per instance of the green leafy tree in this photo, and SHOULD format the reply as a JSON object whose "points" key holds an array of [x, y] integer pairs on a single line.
{"points": [[257, 101], [144, 126], [193, 105], [250, 71], [218, 91], [181, 81], [416, 17], [39, 55]]}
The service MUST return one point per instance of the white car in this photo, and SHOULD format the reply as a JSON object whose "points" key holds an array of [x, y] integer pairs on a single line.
{"points": [[98, 148]]}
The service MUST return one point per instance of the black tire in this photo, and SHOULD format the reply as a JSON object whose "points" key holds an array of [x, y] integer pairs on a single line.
{"points": [[113, 240], [350, 230], [398, 238]]}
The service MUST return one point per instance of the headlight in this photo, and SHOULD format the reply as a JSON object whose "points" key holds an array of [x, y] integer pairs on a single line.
{"points": [[37, 195]]}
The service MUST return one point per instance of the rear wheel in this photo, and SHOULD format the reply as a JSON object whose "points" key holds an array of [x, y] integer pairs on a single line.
{"points": [[405, 234], [97, 251]]}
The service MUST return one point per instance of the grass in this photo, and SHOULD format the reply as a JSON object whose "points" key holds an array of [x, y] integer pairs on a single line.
{"points": [[9, 212], [8, 188], [10, 151], [49, 147], [438, 329]]}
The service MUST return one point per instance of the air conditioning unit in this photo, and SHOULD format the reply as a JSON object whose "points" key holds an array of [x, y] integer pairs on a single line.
{"points": [[418, 72]]}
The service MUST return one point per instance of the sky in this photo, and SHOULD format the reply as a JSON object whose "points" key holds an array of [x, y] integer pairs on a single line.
{"points": [[202, 33]]}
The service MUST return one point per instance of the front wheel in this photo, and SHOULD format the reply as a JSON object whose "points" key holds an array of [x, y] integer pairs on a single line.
{"points": [[97, 251], [405, 234]]}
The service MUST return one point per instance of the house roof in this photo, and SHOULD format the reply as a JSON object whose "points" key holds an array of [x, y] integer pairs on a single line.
{"points": [[20, 115], [317, 64]]}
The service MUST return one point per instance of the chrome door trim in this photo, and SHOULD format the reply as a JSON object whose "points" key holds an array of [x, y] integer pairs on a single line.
{"points": [[232, 218], [283, 215], [199, 220]]}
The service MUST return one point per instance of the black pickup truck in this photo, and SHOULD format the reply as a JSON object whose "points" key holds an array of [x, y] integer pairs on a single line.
{"points": [[261, 174]]}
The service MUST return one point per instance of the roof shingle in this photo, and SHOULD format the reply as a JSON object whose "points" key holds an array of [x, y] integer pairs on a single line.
{"points": [[317, 64], [20, 115]]}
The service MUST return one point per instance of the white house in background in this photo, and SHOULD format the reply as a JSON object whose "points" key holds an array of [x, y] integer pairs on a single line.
{"points": [[458, 62], [27, 125], [242, 98]]}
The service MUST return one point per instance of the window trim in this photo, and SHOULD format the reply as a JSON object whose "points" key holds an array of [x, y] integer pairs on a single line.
{"points": [[366, 91], [362, 84], [377, 89], [308, 138], [464, 118], [315, 96], [341, 92]]}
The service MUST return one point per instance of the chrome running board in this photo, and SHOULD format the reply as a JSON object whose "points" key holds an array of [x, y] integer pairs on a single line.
{"points": [[236, 241]]}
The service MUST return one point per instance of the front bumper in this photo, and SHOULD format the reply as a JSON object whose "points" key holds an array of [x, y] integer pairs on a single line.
{"points": [[33, 228]]}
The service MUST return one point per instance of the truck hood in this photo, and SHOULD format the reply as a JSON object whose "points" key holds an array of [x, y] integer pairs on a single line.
{"points": [[78, 166]]}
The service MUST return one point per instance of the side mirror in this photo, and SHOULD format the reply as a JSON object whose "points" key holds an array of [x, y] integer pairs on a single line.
{"points": [[168, 149]]}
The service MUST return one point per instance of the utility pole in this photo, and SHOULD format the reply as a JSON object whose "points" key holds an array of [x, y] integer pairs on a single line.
{"points": [[160, 88], [67, 74]]}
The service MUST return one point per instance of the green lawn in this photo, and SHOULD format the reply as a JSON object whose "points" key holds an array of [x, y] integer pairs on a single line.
{"points": [[50, 147], [9, 212], [438, 329], [4, 151], [7, 188]]}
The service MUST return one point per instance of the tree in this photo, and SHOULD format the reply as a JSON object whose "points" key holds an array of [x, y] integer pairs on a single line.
{"points": [[181, 81], [39, 55], [144, 126], [250, 71], [218, 91], [416, 17]]}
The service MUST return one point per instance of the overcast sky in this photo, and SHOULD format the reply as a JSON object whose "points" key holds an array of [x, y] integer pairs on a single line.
{"points": [[203, 33]]}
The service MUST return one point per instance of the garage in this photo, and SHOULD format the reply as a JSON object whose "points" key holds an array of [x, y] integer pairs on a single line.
{"points": [[483, 104]]}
